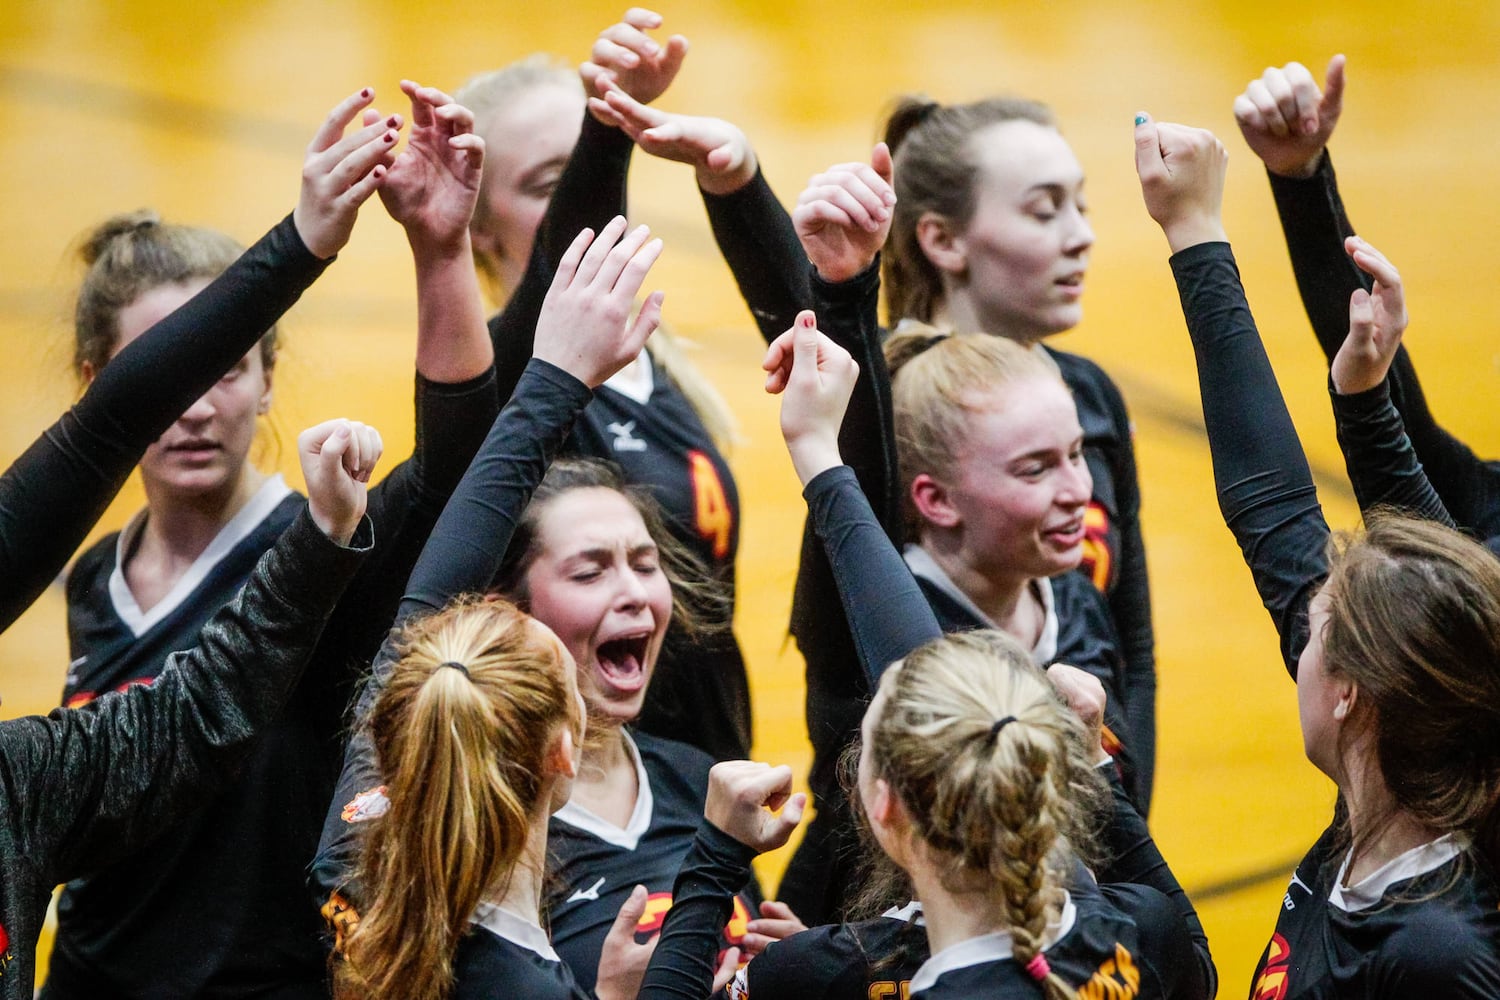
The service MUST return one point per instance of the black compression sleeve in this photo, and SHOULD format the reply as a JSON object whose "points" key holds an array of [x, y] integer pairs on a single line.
{"points": [[1382, 465], [682, 968], [760, 245], [590, 192], [1315, 224], [1265, 488], [53, 494], [1133, 857], [887, 614]]}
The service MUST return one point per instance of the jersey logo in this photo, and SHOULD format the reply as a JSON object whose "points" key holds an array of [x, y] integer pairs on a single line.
{"points": [[341, 917], [72, 677], [366, 806], [1098, 561], [1286, 901], [625, 439], [1274, 982], [655, 913], [1117, 979], [888, 990], [590, 894]]}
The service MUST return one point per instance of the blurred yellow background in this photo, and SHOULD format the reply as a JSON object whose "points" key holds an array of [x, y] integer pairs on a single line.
{"points": [[202, 112]]}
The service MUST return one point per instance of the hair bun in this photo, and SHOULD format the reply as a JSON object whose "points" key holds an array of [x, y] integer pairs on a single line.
{"points": [[116, 227]]}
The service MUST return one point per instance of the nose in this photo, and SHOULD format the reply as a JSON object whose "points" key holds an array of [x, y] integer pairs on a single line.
{"points": [[1077, 485], [1080, 234], [631, 595], [201, 410]]}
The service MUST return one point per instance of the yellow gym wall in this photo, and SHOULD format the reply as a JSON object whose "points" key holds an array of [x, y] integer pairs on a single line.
{"points": [[202, 112]]}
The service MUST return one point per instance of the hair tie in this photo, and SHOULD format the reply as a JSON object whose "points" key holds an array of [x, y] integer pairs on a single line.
{"points": [[999, 725], [1038, 968], [455, 665]]}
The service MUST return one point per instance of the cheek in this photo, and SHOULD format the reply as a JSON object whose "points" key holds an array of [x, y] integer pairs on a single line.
{"points": [[569, 612]]}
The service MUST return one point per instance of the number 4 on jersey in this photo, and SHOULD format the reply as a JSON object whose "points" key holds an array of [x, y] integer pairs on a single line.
{"points": [[713, 519]]}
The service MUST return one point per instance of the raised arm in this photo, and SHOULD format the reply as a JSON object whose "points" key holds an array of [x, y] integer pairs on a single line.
{"points": [[754, 232], [592, 187], [1264, 484], [52, 495]]}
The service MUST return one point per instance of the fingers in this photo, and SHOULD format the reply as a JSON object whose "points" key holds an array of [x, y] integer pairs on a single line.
{"points": [[728, 965], [1361, 322], [778, 361], [647, 320], [339, 118], [1279, 85], [1149, 165], [371, 446], [421, 110], [883, 165], [629, 917], [567, 268], [805, 343], [625, 267], [1333, 88], [598, 251], [1372, 262], [633, 111]]}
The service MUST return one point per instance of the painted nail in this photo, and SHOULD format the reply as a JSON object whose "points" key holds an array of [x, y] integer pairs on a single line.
{"points": [[1140, 119]]}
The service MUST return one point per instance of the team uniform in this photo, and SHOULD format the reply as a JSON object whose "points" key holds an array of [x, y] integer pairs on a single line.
{"points": [[699, 692], [1426, 924], [1315, 224], [87, 788], [594, 864], [67, 478], [217, 907]]}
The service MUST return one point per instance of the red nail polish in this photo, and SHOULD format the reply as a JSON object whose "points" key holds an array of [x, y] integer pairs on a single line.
{"points": [[365, 92]]}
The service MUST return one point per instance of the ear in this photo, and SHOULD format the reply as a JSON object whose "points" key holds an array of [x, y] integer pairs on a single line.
{"points": [[941, 244], [264, 407], [562, 757], [88, 371], [933, 503], [1348, 695]]}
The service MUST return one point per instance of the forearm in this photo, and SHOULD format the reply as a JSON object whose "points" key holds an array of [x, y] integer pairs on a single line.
{"points": [[1382, 466], [453, 344], [1265, 487], [759, 243], [885, 610]]}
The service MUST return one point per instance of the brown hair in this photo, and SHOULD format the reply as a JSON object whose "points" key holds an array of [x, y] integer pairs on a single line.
{"points": [[938, 382], [1000, 803], [1414, 622], [462, 751], [936, 171], [129, 255]]}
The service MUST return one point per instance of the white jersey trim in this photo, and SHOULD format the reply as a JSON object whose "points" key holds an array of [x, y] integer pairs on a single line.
{"points": [[922, 565], [256, 509], [640, 817], [517, 930], [994, 947], [1372, 888], [636, 380]]}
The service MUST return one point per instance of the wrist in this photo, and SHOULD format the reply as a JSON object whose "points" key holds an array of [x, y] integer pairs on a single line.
{"points": [[811, 457], [1193, 231], [439, 248], [728, 181], [1301, 171], [340, 532]]}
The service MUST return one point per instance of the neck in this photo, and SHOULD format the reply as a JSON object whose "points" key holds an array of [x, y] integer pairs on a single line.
{"points": [[954, 917], [1008, 600], [1380, 831], [607, 784], [523, 891], [959, 312], [180, 526]]}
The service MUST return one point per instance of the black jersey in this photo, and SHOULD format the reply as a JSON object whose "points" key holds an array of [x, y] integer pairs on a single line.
{"points": [[595, 864], [506, 956], [1093, 948], [1424, 925], [869, 960], [217, 907]]}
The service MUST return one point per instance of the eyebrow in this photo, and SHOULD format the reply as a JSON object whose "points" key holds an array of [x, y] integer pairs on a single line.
{"points": [[603, 553], [551, 163]]}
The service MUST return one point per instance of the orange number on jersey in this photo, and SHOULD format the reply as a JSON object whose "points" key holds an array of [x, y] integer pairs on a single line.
{"points": [[712, 516]]}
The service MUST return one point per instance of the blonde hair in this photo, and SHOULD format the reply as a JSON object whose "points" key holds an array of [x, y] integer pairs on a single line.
{"points": [[992, 770], [460, 730], [938, 382]]}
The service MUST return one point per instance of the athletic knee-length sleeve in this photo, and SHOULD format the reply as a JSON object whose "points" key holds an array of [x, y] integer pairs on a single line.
{"points": [[53, 494], [759, 243], [462, 556], [1316, 224], [1265, 487]]}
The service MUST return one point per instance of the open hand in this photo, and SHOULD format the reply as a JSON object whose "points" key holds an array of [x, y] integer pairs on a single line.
{"points": [[716, 149], [337, 458], [433, 185], [1286, 120], [632, 60], [584, 327], [340, 171], [844, 215]]}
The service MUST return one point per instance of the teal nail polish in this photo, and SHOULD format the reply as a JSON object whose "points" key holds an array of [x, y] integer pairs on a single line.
{"points": [[1140, 119]]}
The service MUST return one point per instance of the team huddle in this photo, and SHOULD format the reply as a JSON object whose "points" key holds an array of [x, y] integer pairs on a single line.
{"points": [[480, 729]]}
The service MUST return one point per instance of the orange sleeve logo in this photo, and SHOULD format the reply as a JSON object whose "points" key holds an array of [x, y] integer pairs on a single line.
{"points": [[1098, 561], [658, 903], [1275, 981]]}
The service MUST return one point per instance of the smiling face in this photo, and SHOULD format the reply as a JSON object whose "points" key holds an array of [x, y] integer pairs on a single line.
{"points": [[1020, 484], [597, 582], [1019, 262], [527, 144], [207, 449]]}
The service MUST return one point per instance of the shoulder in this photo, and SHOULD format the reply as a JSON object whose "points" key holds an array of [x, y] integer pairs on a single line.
{"points": [[1446, 942], [668, 761], [1092, 387], [96, 562], [813, 963]]}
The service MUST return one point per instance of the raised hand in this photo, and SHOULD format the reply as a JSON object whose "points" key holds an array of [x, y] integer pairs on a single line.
{"points": [[775, 923], [716, 149], [1286, 120], [742, 797], [585, 326], [337, 459], [340, 171], [1182, 179], [632, 60], [1082, 692], [1377, 319], [817, 377], [844, 215], [433, 185]]}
